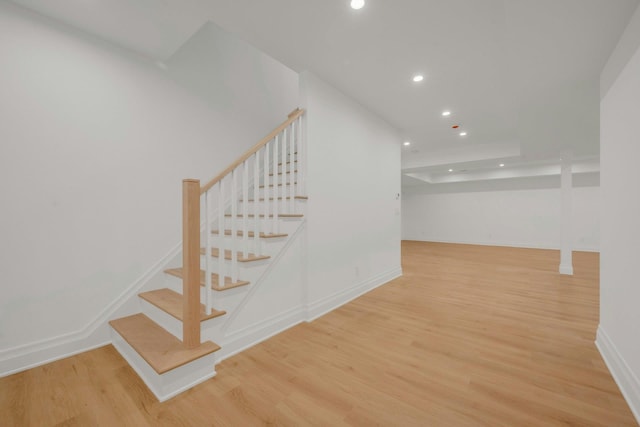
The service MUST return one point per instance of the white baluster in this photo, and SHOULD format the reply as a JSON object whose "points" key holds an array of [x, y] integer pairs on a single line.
{"points": [[292, 171], [274, 188], [265, 184], [245, 209], [256, 203], [221, 232], [207, 252], [234, 226], [302, 155], [281, 193]]}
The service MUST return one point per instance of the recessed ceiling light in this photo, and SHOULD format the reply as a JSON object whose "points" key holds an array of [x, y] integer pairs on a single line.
{"points": [[450, 170], [418, 78], [501, 165], [446, 113], [407, 143], [463, 134], [357, 4]]}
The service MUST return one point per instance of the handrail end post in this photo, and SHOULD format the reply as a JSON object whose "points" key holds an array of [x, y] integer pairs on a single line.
{"points": [[191, 262]]}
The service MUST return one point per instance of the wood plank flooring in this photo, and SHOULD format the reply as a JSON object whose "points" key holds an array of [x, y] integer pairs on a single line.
{"points": [[469, 336]]}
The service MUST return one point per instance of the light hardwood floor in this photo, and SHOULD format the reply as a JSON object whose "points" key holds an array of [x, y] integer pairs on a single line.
{"points": [[469, 336]]}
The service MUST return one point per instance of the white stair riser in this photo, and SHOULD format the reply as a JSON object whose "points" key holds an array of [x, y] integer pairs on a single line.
{"points": [[282, 191], [294, 164], [173, 325], [266, 194], [222, 300], [280, 178], [268, 247], [287, 206], [162, 318], [283, 225], [171, 383], [252, 247], [247, 271]]}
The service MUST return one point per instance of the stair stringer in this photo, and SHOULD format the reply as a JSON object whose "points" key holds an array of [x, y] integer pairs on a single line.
{"points": [[234, 301], [259, 329]]}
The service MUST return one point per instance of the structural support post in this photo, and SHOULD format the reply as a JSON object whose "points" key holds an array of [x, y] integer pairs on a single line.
{"points": [[566, 187], [191, 263]]}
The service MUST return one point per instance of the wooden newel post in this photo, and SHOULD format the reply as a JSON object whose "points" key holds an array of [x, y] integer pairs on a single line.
{"points": [[191, 262]]}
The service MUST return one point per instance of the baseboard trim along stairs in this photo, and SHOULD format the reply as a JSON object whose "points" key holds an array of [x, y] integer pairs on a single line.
{"points": [[628, 383]]}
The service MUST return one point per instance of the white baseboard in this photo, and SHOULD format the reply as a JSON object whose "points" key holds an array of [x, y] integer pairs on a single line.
{"points": [[240, 340], [323, 306], [622, 374], [95, 334], [503, 244], [56, 349]]}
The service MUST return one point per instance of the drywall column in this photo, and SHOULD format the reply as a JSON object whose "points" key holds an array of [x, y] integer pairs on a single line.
{"points": [[566, 184]]}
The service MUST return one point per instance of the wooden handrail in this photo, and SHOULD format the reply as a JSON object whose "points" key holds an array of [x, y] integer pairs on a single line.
{"points": [[191, 263], [293, 116]]}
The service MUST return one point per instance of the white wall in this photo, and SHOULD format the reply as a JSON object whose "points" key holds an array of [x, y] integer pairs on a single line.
{"points": [[618, 336], [521, 218], [627, 45], [233, 77], [94, 143], [353, 185]]}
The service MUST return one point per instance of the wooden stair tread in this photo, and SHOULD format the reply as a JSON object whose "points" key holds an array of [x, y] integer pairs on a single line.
{"points": [[270, 216], [252, 234], [171, 302], [279, 185], [156, 346], [228, 284], [285, 173], [215, 252], [262, 199]]}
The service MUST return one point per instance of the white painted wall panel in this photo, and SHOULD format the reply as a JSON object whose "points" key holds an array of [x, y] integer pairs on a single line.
{"points": [[618, 336], [521, 218], [353, 183]]}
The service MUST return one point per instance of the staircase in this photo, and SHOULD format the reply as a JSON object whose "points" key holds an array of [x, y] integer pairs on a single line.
{"points": [[235, 227]]}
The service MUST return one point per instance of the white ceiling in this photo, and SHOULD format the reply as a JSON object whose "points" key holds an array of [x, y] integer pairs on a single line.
{"points": [[520, 76]]}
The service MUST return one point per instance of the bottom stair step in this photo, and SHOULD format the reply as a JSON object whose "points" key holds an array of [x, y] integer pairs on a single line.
{"points": [[161, 350]]}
